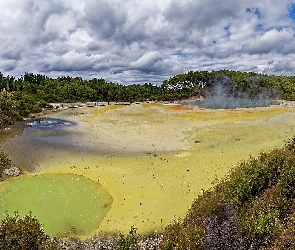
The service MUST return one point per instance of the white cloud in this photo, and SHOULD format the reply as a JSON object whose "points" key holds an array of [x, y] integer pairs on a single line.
{"points": [[79, 38], [269, 41], [147, 61], [61, 24], [148, 41], [72, 60]]}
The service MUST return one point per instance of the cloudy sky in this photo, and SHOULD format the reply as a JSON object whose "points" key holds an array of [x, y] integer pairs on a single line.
{"points": [[138, 41]]}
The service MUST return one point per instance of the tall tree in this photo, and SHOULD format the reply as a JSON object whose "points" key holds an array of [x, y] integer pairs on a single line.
{"points": [[8, 109]]}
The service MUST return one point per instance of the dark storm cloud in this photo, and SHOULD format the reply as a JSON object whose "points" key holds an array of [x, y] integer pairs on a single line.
{"points": [[138, 41]]}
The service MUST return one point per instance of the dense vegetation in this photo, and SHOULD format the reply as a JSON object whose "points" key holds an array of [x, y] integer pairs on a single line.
{"points": [[23, 233], [32, 92], [8, 110], [230, 83], [74, 89]]}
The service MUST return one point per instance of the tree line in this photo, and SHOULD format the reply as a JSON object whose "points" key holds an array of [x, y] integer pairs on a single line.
{"points": [[32, 92], [75, 89], [233, 83]]}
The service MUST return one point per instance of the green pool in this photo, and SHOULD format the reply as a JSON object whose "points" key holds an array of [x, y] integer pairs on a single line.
{"points": [[63, 203]]}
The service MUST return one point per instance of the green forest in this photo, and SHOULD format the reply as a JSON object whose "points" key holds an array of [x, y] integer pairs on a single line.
{"points": [[253, 208], [32, 92]]}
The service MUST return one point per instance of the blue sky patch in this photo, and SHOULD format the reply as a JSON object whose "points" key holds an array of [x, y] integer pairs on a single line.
{"points": [[291, 11], [255, 11], [227, 29], [180, 54], [259, 27]]}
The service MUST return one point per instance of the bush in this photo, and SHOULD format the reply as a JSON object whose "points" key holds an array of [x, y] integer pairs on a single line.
{"points": [[128, 242], [210, 202], [222, 232], [23, 233], [8, 109], [244, 181], [287, 181], [250, 178], [28, 103], [5, 161], [180, 236], [246, 209], [189, 233], [286, 239], [262, 219]]}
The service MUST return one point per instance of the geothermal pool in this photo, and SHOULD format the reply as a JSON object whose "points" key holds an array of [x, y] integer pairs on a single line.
{"points": [[64, 203], [230, 103], [152, 159]]}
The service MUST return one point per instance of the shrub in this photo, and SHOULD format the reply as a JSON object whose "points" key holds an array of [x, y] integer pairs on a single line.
{"points": [[290, 145], [243, 210], [244, 181], [250, 178], [210, 202], [180, 236], [262, 219], [189, 233], [5, 161], [8, 109], [23, 233], [128, 242], [286, 239], [222, 232], [287, 181]]}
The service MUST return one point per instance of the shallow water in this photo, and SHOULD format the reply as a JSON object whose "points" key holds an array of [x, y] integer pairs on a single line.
{"points": [[63, 203]]}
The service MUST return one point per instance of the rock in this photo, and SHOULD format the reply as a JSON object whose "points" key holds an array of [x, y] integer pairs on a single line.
{"points": [[13, 171]]}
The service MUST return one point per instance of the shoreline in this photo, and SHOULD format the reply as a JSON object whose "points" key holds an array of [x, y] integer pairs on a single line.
{"points": [[60, 106]]}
